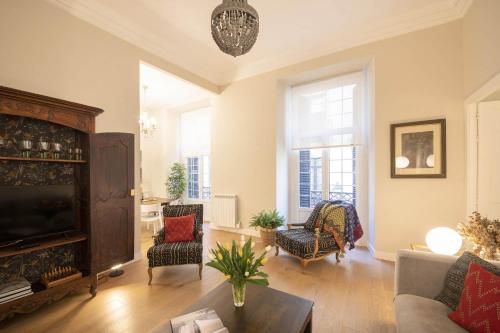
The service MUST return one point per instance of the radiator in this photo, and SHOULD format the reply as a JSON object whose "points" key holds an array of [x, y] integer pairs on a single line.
{"points": [[223, 210]]}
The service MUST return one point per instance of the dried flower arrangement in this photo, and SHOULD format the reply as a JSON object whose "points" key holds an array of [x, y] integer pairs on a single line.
{"points": [[484, 234]]}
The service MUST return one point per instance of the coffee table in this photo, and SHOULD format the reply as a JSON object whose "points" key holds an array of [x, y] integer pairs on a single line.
{"points": [[266, 310]]}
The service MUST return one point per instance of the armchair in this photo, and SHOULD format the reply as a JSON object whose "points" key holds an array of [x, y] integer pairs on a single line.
{"points": [[180, 253], [307, 243]]}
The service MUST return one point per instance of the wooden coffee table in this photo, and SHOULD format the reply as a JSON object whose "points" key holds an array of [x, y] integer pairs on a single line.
{"points": [[266, 310]]}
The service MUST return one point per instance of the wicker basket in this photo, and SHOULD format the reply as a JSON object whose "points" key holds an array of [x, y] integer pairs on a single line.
{"points": [[268, 236]]}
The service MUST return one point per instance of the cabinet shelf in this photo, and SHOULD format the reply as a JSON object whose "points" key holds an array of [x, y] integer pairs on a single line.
{"points": [[80, 237], [35, 159]]}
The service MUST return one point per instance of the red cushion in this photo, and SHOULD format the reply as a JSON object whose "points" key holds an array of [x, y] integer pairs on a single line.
{"points": [[479, 307], [179, 229]]}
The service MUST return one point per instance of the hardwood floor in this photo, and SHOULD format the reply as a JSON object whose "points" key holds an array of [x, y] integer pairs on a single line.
{"points": [[351, 297]]}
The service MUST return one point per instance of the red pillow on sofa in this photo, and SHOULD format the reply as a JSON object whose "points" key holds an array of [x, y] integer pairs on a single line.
{"points": [[477, 311], [179, 229]]}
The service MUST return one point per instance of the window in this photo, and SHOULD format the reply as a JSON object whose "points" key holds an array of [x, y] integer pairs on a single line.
{"points": [[193, 170], [342, 174], [198, 170], [326, 132], [310, 177], [195, 149]]}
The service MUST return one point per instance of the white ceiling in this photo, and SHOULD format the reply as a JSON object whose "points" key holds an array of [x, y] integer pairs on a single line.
{"points": [[290, 30], [166, 91]]}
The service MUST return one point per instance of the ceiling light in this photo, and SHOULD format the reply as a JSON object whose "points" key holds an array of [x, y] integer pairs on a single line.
{"points": [[235, 27]]}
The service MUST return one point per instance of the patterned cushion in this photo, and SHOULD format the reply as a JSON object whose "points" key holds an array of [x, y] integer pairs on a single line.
{"points": [[179, 229], [479, 303], [300, 242], [175, 254], [454, 282], [334, 223]]}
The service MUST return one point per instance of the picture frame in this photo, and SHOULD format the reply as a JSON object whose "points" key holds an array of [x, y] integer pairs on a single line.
{"points": [[418, 149]]}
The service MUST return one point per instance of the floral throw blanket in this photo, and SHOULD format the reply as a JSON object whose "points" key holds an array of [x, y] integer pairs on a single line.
{"points": [[338, 218]]}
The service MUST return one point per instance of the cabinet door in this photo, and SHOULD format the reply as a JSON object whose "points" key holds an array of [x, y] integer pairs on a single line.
{"points": [[111, 201]]}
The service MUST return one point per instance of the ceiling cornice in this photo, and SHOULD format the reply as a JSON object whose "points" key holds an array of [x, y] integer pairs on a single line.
{"points": [[134, 34], [418, 20], [427, 17]]}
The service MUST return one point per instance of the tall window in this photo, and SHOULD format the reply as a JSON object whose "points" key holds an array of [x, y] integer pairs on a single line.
{"points": [[327, 133], [198, 171], [195, 149]]}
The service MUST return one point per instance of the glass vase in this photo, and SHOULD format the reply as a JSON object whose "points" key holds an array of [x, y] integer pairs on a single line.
{"points": [[239, 289]]}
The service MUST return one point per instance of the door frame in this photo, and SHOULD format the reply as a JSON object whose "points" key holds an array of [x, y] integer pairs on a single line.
{"points": [[471, 105]]}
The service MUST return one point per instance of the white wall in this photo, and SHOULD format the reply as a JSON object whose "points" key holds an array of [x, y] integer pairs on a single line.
{"points": [[159, 152], [48, 51], [417, 76]]}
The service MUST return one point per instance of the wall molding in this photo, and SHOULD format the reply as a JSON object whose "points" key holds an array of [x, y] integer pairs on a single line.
{"points": [[243, 231], [381, 255], [103, 18]]}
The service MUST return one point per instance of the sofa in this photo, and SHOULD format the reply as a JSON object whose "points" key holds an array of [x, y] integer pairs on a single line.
{"points": [[419, 278]]}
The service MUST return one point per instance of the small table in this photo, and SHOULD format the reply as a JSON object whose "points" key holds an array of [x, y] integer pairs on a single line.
{"points": [[265, 310], [156, 200]]}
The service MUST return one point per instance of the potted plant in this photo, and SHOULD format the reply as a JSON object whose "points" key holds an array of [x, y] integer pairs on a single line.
{"points": [[176, 182], [240, 266], [268, 221]]}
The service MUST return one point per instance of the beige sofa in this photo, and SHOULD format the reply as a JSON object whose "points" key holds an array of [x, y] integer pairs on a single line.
{"points": [[419, 279]]}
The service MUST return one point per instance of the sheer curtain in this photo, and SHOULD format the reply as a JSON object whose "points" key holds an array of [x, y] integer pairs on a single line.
{"points": [[328, 113], [195, 133]]}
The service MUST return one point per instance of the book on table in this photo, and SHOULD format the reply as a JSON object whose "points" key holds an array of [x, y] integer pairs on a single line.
{"points": [[201, 321]]}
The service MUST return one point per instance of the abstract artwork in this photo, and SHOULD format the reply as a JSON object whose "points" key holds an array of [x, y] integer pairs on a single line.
{"points": [[418, 149]]}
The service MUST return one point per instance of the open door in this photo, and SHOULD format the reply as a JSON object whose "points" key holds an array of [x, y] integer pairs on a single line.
{"points": [[111, 200]]}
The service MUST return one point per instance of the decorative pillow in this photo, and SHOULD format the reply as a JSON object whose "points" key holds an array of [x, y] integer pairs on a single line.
{"points": [[478, 310], [454, 283], [334, 223], [179, 229]]}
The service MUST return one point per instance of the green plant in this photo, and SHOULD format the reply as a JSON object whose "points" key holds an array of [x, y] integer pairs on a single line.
{"points": [[267, 219], [238, 263], [176, 182]]}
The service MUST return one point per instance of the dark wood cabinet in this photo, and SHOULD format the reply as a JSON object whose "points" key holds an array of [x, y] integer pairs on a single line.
{"points": [[103, 182]]}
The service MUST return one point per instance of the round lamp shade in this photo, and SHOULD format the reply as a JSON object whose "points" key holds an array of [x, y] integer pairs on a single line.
{"points": [[443, 241]]}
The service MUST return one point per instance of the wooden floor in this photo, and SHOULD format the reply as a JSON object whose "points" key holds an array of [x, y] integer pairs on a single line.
{"points": [[353, 296]]}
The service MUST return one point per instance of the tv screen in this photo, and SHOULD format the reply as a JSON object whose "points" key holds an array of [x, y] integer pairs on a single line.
{"points": [[28, 212]]}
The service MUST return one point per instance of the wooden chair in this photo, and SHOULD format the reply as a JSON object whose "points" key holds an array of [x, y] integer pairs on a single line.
{"points": [[180, 253], [307, 243]]}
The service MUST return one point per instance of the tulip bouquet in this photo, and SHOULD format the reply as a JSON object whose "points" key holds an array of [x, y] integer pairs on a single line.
{"points": [[240, 266]]}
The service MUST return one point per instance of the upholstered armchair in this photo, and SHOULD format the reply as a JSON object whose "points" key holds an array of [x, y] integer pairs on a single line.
{"points": [[305, 241], [180, 253]]}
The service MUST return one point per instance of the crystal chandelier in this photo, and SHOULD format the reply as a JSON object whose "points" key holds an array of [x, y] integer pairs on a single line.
{"points": [[235, 26], [148, 124]]}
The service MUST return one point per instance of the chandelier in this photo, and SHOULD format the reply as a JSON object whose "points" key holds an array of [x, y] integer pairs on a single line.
{"points": [[148, 124], [235, 26]]}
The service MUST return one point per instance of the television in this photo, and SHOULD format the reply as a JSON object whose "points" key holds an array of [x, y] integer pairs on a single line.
{"points": [[31, 212]]}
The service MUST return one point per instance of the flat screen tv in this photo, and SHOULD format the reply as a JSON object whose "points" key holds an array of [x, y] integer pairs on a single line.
{"points": [[31, 212]]}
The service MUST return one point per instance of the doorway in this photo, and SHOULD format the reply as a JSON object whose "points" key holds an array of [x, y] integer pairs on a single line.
{"points": [[175, 136]]}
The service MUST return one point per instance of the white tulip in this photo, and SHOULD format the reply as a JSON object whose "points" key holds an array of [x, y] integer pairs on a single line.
{"points": [[268, 248]]}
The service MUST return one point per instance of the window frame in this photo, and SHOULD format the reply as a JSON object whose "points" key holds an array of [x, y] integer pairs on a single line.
{"points": [[325, 188], [201, 178]]}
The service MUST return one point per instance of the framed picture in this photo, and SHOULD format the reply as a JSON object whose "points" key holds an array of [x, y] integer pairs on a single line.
{"points": [[418, 149]]}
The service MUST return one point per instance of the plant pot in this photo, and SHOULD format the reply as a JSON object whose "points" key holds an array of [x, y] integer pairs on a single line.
{"points": [[268, 236], [239, 291]]}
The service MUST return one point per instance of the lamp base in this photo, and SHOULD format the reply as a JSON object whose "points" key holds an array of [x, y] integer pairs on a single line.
{"points": [[116, 272]]}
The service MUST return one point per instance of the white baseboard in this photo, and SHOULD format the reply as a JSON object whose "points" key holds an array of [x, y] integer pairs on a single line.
{"points": [[381, 255], [243, 231]]}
